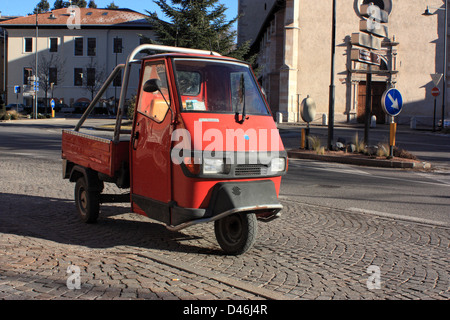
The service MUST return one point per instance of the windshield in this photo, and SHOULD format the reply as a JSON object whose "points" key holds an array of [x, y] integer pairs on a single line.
{"points": [[218, 87]]}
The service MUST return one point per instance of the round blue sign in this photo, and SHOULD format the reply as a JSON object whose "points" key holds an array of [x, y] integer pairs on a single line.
{"points": [[52, 104], [392, 102]]}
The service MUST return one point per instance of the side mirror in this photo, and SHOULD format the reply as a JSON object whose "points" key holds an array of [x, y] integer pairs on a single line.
{"points": [[152, 85], [264, 92]]}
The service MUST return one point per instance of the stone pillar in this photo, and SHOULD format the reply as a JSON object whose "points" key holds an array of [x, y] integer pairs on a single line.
{"points": [[289, 70]]}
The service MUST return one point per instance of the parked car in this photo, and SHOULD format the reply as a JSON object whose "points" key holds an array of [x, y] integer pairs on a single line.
{"points": [[62, 107], [80, 107], [100, 109], [16, 106], [42, 109]]}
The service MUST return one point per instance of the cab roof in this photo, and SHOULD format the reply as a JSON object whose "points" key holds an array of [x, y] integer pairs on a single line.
{"points": [[190, 55]]}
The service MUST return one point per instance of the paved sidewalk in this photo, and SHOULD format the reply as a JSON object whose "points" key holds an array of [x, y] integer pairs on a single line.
{"points": [[360, 160], [430, 154], [311, 252]]}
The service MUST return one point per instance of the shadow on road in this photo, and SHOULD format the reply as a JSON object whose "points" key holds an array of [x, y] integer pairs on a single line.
{"points": [[56, 220]]}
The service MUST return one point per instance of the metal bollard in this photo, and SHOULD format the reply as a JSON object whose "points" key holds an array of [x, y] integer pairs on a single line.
{"points": [[413, 123], [279, 117], [373, 121], [302, 142], [324, 119]]}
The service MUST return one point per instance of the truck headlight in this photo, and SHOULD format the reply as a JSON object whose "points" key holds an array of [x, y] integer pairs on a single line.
{"points": [[278, 165], [214, 166]]}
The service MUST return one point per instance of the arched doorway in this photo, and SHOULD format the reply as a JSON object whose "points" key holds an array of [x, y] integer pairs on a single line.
{"points": [[378, 88]]}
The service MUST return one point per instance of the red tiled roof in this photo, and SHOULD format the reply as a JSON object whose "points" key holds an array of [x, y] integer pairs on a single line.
{"points": [[88, 17]]}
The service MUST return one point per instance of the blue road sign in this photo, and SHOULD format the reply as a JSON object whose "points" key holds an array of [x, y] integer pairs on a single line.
{"points": [[52, 104], [16, 89], [392, 102]]}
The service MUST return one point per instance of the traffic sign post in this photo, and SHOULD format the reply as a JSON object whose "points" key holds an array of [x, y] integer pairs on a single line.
{"points": [[373, 30], [17, 91], [365, 56], [392, 132], [436, 77], [435, 93], [52, 104], [392, 103]]}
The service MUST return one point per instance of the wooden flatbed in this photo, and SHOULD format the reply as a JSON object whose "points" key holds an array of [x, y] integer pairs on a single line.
{"points": [[94, 152]]}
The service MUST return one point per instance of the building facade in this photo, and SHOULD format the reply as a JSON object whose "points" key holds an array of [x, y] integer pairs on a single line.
{"points": [[3, 47], [294, 39], [77, 48]]}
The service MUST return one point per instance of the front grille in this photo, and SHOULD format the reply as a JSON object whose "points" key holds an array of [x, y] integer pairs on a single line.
{"points": [[250, 170]]}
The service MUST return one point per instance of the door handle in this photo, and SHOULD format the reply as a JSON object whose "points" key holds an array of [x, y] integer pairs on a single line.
{"points": [[134, 140]]}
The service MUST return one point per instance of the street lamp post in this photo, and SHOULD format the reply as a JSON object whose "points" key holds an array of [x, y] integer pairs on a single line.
{"points": [[36, 72], [332, 87], [3, 31], [444, 80], [117, 49]]}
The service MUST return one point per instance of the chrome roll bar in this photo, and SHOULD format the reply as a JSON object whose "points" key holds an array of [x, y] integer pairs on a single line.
{"points": [[126, 77], [123, 92]]}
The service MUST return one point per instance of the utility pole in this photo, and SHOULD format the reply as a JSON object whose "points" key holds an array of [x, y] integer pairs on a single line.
{"points": [[444, 87], [36, 72], [332, 87], [368, 106]]}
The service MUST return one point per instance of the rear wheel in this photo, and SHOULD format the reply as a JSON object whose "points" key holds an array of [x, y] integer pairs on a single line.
{"points": [[87, 201], [236, 233]]}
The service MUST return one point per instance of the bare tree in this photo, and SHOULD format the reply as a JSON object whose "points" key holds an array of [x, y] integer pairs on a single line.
{"points": [[93, 77], [50, 70]]}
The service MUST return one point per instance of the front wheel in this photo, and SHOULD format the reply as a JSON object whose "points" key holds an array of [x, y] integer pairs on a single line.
{"points": [[236, 233]]}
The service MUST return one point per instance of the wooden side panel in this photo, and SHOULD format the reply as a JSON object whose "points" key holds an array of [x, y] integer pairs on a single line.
{"points": [[87, 151]]}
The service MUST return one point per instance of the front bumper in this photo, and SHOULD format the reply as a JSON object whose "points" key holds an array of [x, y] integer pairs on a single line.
{"points": [[227, 198]]}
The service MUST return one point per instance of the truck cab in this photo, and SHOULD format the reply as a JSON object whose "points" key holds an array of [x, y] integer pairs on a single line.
{"points": [[203, 147]]}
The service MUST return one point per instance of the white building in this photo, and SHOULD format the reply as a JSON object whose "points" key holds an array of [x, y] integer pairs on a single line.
{"points": [[293, 39], [76, 49]]}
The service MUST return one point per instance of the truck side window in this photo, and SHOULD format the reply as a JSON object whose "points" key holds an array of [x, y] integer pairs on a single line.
{"points": [[155, 104]]}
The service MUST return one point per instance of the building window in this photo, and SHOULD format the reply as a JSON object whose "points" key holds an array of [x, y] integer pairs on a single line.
{"points": [[27, 72], [90, 77], [78, 77], [117, 45], [53, 45], [28, 44], [379, 3], [91, 47], [53, 75], [78, 46], [151, 103]]}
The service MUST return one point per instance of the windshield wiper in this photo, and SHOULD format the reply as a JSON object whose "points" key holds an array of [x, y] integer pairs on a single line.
{"points": [[236, 116]]}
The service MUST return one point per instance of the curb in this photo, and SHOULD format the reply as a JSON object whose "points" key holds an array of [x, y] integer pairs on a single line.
{"points": [[31, 120], [358, 161]]}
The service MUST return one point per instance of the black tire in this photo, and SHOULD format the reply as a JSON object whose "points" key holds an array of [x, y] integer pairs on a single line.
{"points": [[87, 201], [236, 233]]}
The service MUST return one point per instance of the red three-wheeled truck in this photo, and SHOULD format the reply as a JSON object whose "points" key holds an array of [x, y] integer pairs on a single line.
{"points": [[203, 147]]}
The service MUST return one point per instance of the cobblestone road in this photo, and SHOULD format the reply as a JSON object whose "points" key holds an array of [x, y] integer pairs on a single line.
{"points": [[312, 252]]}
